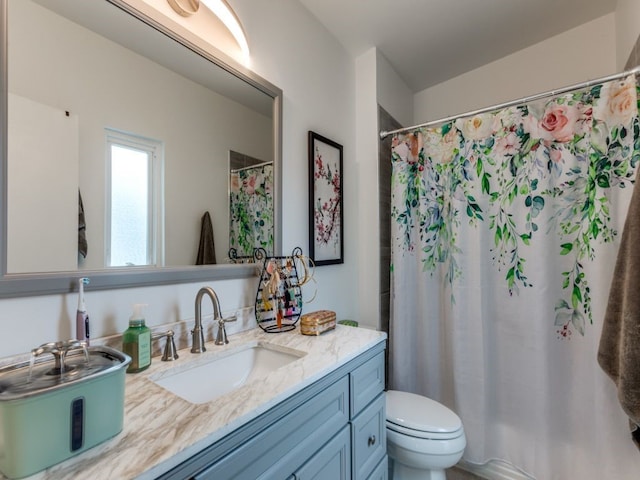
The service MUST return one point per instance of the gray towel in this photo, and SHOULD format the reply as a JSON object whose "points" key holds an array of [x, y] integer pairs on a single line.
{"points": [[619, 349], [206, 250]]}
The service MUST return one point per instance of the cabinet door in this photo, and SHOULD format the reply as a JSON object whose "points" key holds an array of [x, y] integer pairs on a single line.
{"points": [[369, 437], [283, 446], [331, 462]]}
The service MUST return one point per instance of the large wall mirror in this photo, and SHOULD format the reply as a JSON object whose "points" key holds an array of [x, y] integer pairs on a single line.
{"points": [[119, 152]]}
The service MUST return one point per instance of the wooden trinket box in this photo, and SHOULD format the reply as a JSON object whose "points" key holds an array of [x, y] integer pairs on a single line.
{"points": [[315, 323]]}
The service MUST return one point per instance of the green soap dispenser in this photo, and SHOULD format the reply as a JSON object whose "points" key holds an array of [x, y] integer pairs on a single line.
{"points": [[136, 341]]}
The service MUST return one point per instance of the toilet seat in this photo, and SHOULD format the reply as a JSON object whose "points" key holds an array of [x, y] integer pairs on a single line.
{"points": [[420, 417], [424, 435]]}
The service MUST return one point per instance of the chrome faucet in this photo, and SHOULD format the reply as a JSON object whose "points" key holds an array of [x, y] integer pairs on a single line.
{"points": [[198, 332]]}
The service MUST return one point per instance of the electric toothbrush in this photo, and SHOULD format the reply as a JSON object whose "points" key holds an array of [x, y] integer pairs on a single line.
{"points": [[82, 317]]}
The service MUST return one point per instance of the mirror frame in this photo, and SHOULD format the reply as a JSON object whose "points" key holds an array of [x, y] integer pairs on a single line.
{"points": [[20, 285]]}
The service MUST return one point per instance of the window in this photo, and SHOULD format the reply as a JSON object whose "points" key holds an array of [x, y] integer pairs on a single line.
{"points": [[134, 200]]}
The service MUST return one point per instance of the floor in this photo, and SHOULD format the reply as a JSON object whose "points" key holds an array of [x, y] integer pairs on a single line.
{"points": [[452, 474], [459, 474]]}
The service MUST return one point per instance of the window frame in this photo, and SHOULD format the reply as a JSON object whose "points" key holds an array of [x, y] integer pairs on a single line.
{"points": [[155, 214]]}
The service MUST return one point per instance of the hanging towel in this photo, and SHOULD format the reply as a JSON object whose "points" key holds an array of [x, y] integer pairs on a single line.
{"points": [[82, 229], [619, 349], [206, 250]]}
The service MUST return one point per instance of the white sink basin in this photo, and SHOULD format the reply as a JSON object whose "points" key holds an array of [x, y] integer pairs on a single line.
{"points": [[202, 381]]}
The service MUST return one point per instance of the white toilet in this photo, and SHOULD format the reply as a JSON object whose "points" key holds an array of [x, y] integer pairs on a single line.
{"points": [[423, 437]]}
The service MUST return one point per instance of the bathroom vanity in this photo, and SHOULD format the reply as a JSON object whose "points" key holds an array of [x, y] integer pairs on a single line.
{"points": [[322, 416]]}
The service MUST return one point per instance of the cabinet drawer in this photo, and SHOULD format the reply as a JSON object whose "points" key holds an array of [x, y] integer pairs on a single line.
{"points": [[368, 439], [381, 472], [331, 462], [366, 383], [279, 450]]}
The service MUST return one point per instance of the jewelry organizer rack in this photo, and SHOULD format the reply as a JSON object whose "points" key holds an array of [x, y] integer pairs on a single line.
{"points": [[279, 296], [235, 258]]}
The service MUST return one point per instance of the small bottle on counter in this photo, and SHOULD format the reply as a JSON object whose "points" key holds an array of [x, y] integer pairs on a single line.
{"points": [[136, 341]]}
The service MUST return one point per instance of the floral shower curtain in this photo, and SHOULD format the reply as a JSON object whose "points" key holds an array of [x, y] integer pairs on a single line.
{"points": [[251, 209], [504, 237]]}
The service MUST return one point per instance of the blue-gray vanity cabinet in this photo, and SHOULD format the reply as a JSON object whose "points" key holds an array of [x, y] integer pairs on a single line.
{"points": [[276, 451], [381, 472], [323, 432], [366, 382], [369, 442], [331, 462], [368, 428]]}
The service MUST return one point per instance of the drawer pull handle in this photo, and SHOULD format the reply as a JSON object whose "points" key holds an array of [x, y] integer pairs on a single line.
{"points": [[372, 440]]}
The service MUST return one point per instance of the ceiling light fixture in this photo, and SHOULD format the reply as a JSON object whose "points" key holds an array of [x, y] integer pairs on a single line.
{"points": [[225, 13], [222, 10], [185, 8]]}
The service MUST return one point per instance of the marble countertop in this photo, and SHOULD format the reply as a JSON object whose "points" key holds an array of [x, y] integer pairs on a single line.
{"points": [[161, 430]]}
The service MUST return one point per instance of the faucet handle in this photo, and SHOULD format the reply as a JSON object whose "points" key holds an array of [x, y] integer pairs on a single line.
{"points": [[221, 337], [170, 352], [232, 318]]}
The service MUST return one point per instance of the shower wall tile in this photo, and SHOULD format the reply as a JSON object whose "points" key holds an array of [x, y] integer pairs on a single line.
{"points": [[385, 122]]}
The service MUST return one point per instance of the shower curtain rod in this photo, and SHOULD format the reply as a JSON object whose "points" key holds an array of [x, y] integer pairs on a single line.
{"points": [[616, 76], [234, 170]]}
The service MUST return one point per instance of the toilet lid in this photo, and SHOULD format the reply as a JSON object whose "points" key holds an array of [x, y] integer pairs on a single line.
{"points": [[416, 412]]}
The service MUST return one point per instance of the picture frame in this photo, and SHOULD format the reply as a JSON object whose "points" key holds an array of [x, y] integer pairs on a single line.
{"points": [[326, 212]]}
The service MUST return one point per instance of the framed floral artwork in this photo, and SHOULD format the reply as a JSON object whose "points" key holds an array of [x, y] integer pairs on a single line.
{"points": [[325, 201]]}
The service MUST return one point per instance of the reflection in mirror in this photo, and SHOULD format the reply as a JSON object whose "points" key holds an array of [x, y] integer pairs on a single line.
{"points": [[83, 87], [250, 206], [134, 203]]}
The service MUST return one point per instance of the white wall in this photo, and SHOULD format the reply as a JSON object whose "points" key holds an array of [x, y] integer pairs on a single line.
{"points": [[580, 54], [291, 50], [367, 184], [376, 83], [627, 29], [392, 93]]}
